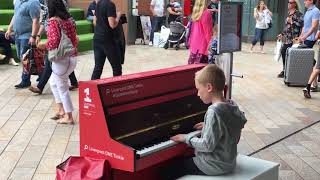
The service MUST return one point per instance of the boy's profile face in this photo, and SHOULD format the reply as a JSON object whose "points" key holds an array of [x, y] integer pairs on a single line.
{"points": [[204, 92]]}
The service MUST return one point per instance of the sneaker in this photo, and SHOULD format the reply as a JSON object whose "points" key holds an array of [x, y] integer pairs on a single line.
{"points": [[2, 56], [306, 93], [150, 43], [281, 74], [314, 88], [12, 62]]}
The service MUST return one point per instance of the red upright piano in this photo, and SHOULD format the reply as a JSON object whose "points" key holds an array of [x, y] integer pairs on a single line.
{"points": [[129, 119]]}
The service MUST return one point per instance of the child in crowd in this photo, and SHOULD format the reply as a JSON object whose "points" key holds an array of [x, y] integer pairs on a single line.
{"points": [[212, 52], [174, 9], [216, 148], [214, 8]]}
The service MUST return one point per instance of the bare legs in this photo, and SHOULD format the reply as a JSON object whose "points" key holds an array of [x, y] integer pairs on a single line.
{"points": [[62, 117], [313, 77]]}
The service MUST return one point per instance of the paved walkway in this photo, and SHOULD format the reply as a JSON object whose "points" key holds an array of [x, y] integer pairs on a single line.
{"points": [[31, 144]]}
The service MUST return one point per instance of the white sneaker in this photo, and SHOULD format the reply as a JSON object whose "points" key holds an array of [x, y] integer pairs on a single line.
{"points": [[12, 62], [150, 43], [2, 56]]}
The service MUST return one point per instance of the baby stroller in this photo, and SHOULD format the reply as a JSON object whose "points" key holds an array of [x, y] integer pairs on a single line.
{"points": [[177, 34]]}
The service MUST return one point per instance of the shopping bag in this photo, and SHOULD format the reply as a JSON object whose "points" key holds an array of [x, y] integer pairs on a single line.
{"points": [[277, 51], [83, 168], [156, 39], [33, 61], [164, 35]]}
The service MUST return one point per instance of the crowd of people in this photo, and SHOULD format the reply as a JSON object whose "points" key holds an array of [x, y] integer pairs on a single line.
{"points": [[216, 148], [25, 30], [56, 22], [33, 18], [301, 29]]}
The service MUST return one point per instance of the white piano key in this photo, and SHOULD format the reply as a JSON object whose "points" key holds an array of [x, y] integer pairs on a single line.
{"points": [[162, 145]]}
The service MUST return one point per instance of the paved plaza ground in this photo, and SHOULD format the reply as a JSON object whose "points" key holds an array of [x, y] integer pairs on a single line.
{"points": [[31, 144]]}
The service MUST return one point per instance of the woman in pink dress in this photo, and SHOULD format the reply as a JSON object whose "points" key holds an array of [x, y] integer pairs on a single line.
{"points": [[201, 32]]}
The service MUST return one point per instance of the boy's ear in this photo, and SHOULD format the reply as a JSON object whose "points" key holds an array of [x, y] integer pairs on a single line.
{"points": [[209, 87]]}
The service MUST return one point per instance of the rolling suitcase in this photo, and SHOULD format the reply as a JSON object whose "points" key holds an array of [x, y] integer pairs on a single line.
{"points": [[298, 66]]}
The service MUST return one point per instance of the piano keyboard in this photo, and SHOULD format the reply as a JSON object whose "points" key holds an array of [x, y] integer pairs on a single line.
{"points": [[163, 145]]}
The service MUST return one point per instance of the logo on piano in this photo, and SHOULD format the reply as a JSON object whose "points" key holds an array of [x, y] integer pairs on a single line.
{"points": [[87, 93], [175, 127]]}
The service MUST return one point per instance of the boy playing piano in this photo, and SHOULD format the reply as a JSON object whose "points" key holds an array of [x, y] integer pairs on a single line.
{"points": [[216, 149]]}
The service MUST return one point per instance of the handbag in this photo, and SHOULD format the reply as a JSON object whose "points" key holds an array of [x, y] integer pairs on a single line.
{"points": [[33, 61], [268, 20], [269, 25], [64, 49], [83, 168]]}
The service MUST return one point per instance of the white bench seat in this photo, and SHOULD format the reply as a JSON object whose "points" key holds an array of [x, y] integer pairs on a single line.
{"points": [[248, 168]]}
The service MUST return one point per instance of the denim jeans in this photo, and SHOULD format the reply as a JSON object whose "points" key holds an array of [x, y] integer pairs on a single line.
{"points": [[22, 46], [258, 35], [6, 44], [310, 44], [90, 18], [157, 22], [103, 50], [47, 73]]}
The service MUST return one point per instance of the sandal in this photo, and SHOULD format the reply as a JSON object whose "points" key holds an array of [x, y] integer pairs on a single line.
{"points": [[57, 116], [63, 121]]}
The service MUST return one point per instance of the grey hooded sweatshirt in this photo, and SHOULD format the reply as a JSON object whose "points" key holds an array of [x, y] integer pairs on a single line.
{"points": [[216, 149]]}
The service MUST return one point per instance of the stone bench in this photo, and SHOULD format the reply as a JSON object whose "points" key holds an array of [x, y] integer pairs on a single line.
{"points": [[247, 168]]}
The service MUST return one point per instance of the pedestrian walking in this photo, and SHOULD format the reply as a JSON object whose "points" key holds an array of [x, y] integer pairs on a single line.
{"points": [[105, 41]]}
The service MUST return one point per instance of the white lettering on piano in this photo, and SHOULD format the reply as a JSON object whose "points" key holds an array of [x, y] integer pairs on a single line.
{"points": [[125, 93], [88, 105], [106, 153], [87, 101], [87, 94], [125, 90]]}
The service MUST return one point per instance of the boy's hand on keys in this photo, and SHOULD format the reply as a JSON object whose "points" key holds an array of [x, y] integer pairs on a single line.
{"points": [[178, 138], [198, 126]]}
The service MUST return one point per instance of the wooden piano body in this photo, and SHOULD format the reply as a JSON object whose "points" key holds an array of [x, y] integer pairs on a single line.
{"points": [[122, 115]]}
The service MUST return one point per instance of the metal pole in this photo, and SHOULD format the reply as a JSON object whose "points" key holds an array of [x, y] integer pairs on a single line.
{"points": [[230, 76]]}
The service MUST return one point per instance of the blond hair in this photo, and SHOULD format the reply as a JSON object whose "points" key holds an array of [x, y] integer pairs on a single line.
{"points": [[298, 5], [258, 5], [211, 74], [198, 8]]}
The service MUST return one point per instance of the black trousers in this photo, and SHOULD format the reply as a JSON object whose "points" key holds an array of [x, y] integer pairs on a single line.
{"points": [[283, 53], [103, 51], [6, 44]]}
